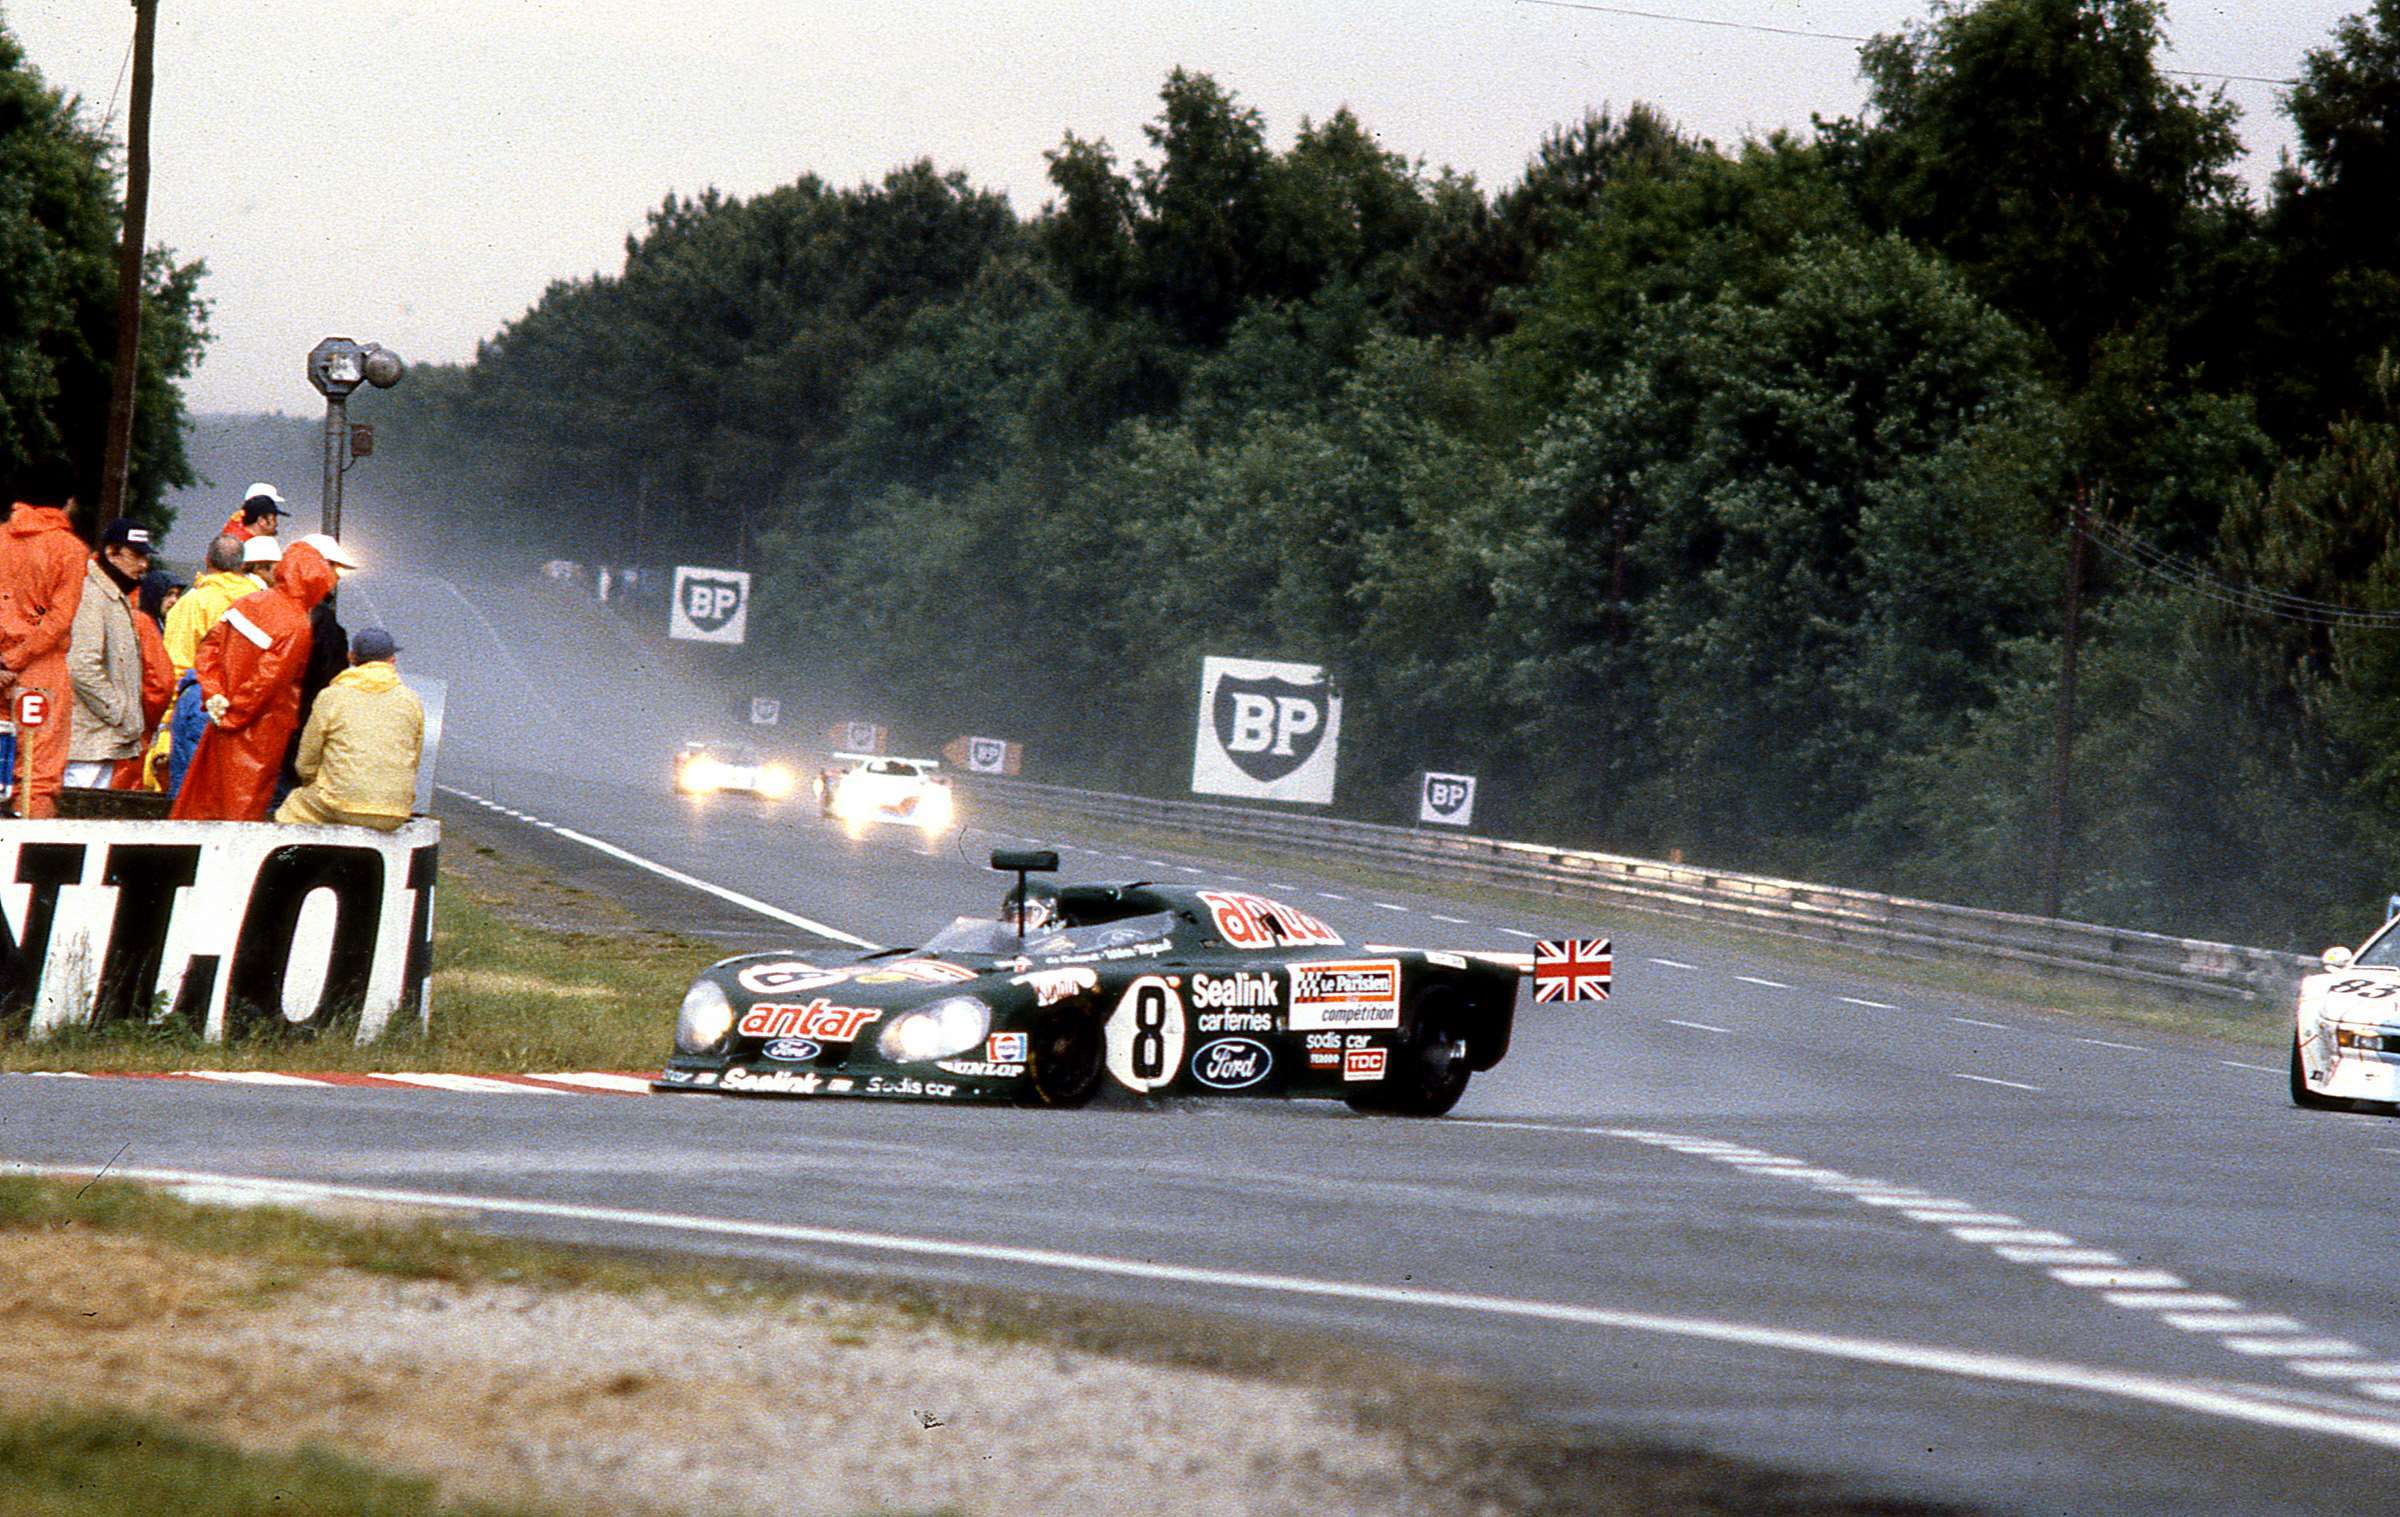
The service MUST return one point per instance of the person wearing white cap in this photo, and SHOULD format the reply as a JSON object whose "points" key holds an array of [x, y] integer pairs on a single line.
{"points": [[260, 555], [259, 513], [328, 649]]}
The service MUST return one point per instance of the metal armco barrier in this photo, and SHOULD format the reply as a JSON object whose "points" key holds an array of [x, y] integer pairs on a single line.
{"points": [[225, 927], [1860, 919]]}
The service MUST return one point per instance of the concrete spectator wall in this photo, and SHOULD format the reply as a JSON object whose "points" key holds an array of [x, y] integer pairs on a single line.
{"points": [[228, 927]]}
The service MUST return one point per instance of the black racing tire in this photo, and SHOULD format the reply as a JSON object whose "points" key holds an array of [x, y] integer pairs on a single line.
{"points": [[1068, 1060], [2302, 1096], [1428, 1074]]}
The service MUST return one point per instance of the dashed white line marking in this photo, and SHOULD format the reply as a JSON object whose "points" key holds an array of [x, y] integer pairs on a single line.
{"points": [[1154, 863], [1808, 1173], [2104, 1043], [2120, 1279], [1188, 869], [1997, 1219], [1990, 1080], [2285, 1346], [2009, 1235], [2238, 1064], [2343, 1369], [1277, 885], [2261, 1408], [1924, 1203], [2171, 1300], [1453, 921], [2231, 1322], [2058, 1255], [1860, 1001], [1673, 964], [1697, 1026], [1751, 979], [1330, 896], [1515, 933], [1388, 906], [1995, 1026]]}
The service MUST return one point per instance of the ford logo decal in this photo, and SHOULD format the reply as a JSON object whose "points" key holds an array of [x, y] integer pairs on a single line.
{"points": [[1231, 1063], [791, 1050]]}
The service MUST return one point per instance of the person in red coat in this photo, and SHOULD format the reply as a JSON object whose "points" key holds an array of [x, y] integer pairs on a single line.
{"points": [[41, 583], [159, 593], [249, 670]]}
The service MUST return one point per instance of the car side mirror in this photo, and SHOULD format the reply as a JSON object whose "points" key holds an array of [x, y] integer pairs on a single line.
{"points": [[2338, 957]]}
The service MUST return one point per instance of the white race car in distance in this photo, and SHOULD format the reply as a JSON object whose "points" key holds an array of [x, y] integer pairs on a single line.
{"points": [[2346, 1027], [708, 768], [877, 789]]}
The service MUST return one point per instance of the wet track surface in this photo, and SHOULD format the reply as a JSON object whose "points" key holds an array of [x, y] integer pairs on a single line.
{"points": [[1798, 1215]]}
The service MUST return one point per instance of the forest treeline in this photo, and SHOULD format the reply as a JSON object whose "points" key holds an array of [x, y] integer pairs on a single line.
{"points": [[1699, 497]]}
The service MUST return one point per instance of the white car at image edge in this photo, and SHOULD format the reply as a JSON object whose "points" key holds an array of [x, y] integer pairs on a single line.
{"points": [[2346, 1027]]}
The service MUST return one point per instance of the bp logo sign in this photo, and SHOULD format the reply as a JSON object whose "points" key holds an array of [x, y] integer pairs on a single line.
{"points": [[1267, 731], [711, 605], [1448, 799]]}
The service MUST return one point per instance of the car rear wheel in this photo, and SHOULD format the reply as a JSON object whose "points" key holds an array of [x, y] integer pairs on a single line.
{"points": [[1067, 1060], [2301, 1094], [1429, 1069]]}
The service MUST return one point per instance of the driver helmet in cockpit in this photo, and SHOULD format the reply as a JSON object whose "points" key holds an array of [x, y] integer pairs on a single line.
{"points": [[1041, 907]]}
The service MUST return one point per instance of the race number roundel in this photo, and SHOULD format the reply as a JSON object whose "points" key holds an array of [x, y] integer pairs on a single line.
{"points": [[1145, 1035]]}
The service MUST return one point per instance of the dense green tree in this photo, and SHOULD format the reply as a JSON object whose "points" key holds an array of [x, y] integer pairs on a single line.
{"points": [[2338, 294], [59, 235], [2037, 145]]}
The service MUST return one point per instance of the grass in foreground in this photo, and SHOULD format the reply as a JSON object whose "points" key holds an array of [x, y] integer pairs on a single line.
{"points": [[63, 1463], [1998, 986]]}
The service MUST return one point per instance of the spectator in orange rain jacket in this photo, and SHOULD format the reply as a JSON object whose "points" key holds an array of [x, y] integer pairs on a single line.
{"points": [[160, 592], [249, 668], [41, 583], [261, 504]]}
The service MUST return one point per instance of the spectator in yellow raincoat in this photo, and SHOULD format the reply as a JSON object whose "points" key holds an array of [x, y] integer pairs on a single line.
{"points": [[358, 754]]}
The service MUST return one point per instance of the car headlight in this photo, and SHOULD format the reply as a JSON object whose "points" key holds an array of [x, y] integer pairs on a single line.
{"points": [[944, 1030], [933, 809], [777, 781], [706, 1017], [703, 775]]}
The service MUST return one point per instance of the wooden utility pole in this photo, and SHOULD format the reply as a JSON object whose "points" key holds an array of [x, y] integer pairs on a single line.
{"points": [[119, 459], [2054, 864]]}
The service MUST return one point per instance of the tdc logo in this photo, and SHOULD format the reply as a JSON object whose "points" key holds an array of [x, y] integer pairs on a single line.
{"points": [[1267, 730], [711, 605]]}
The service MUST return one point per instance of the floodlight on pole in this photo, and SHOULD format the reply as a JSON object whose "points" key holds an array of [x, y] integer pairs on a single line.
{"points": [[337, 366]]}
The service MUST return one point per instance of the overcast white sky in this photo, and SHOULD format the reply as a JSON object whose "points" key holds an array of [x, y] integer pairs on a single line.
{"points": [[417, 173]]}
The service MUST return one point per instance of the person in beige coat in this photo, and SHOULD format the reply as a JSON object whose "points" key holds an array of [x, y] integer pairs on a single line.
{"points": [[104, 660], [358, 754]]}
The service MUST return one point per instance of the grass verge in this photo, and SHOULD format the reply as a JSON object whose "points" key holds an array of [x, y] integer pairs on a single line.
{"points": [[1997, 987], [98, 1463]]}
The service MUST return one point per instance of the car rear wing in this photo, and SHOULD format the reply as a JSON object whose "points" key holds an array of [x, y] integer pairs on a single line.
{"points": [[887, 758], [1570, 969]]}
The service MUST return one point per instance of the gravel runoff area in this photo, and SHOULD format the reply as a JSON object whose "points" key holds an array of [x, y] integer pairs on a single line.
{"points": [[647, 1403]]}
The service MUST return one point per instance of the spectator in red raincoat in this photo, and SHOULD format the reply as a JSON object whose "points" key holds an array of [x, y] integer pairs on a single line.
{"points": [[41, 583], [249, 670]]}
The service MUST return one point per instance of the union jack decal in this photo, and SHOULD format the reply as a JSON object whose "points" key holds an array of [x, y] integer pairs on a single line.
{"points": [[1579, 969]]}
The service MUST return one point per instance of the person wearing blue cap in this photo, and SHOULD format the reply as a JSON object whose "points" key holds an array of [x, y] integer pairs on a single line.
{"points": [[358, 754]]}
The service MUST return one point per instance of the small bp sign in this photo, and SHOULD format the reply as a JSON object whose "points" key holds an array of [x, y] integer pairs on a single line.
{"points": [[711, 605], [1268, 731], [1448, 799]]}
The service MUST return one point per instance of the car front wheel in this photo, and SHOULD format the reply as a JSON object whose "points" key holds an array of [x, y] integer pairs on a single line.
{"points": [[1069, 1055]]}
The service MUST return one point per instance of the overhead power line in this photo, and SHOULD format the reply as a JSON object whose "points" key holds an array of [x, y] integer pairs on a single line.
{"points": [[1798, 31], [2256, 600]]}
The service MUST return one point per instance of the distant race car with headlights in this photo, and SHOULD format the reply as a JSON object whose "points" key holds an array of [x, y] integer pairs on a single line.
{"points": [[714, 768], [1136, 988], [2346, 1027], [903, 791]]}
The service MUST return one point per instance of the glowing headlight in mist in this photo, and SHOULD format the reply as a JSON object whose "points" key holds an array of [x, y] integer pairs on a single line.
{"points": [[933, 808], [700, 776], [943, 1030], [777, 781], [706, 1017]]}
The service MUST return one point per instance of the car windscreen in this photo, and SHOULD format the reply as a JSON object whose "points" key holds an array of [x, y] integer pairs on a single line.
{"points": [[980, 937], [2382, 953]]}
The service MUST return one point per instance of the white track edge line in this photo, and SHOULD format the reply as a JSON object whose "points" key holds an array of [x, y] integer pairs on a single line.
{"points": [[2191, 1396]]}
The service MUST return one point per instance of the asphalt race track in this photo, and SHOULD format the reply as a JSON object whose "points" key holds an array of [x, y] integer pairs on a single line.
{"points": [[1818, 1220]]}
